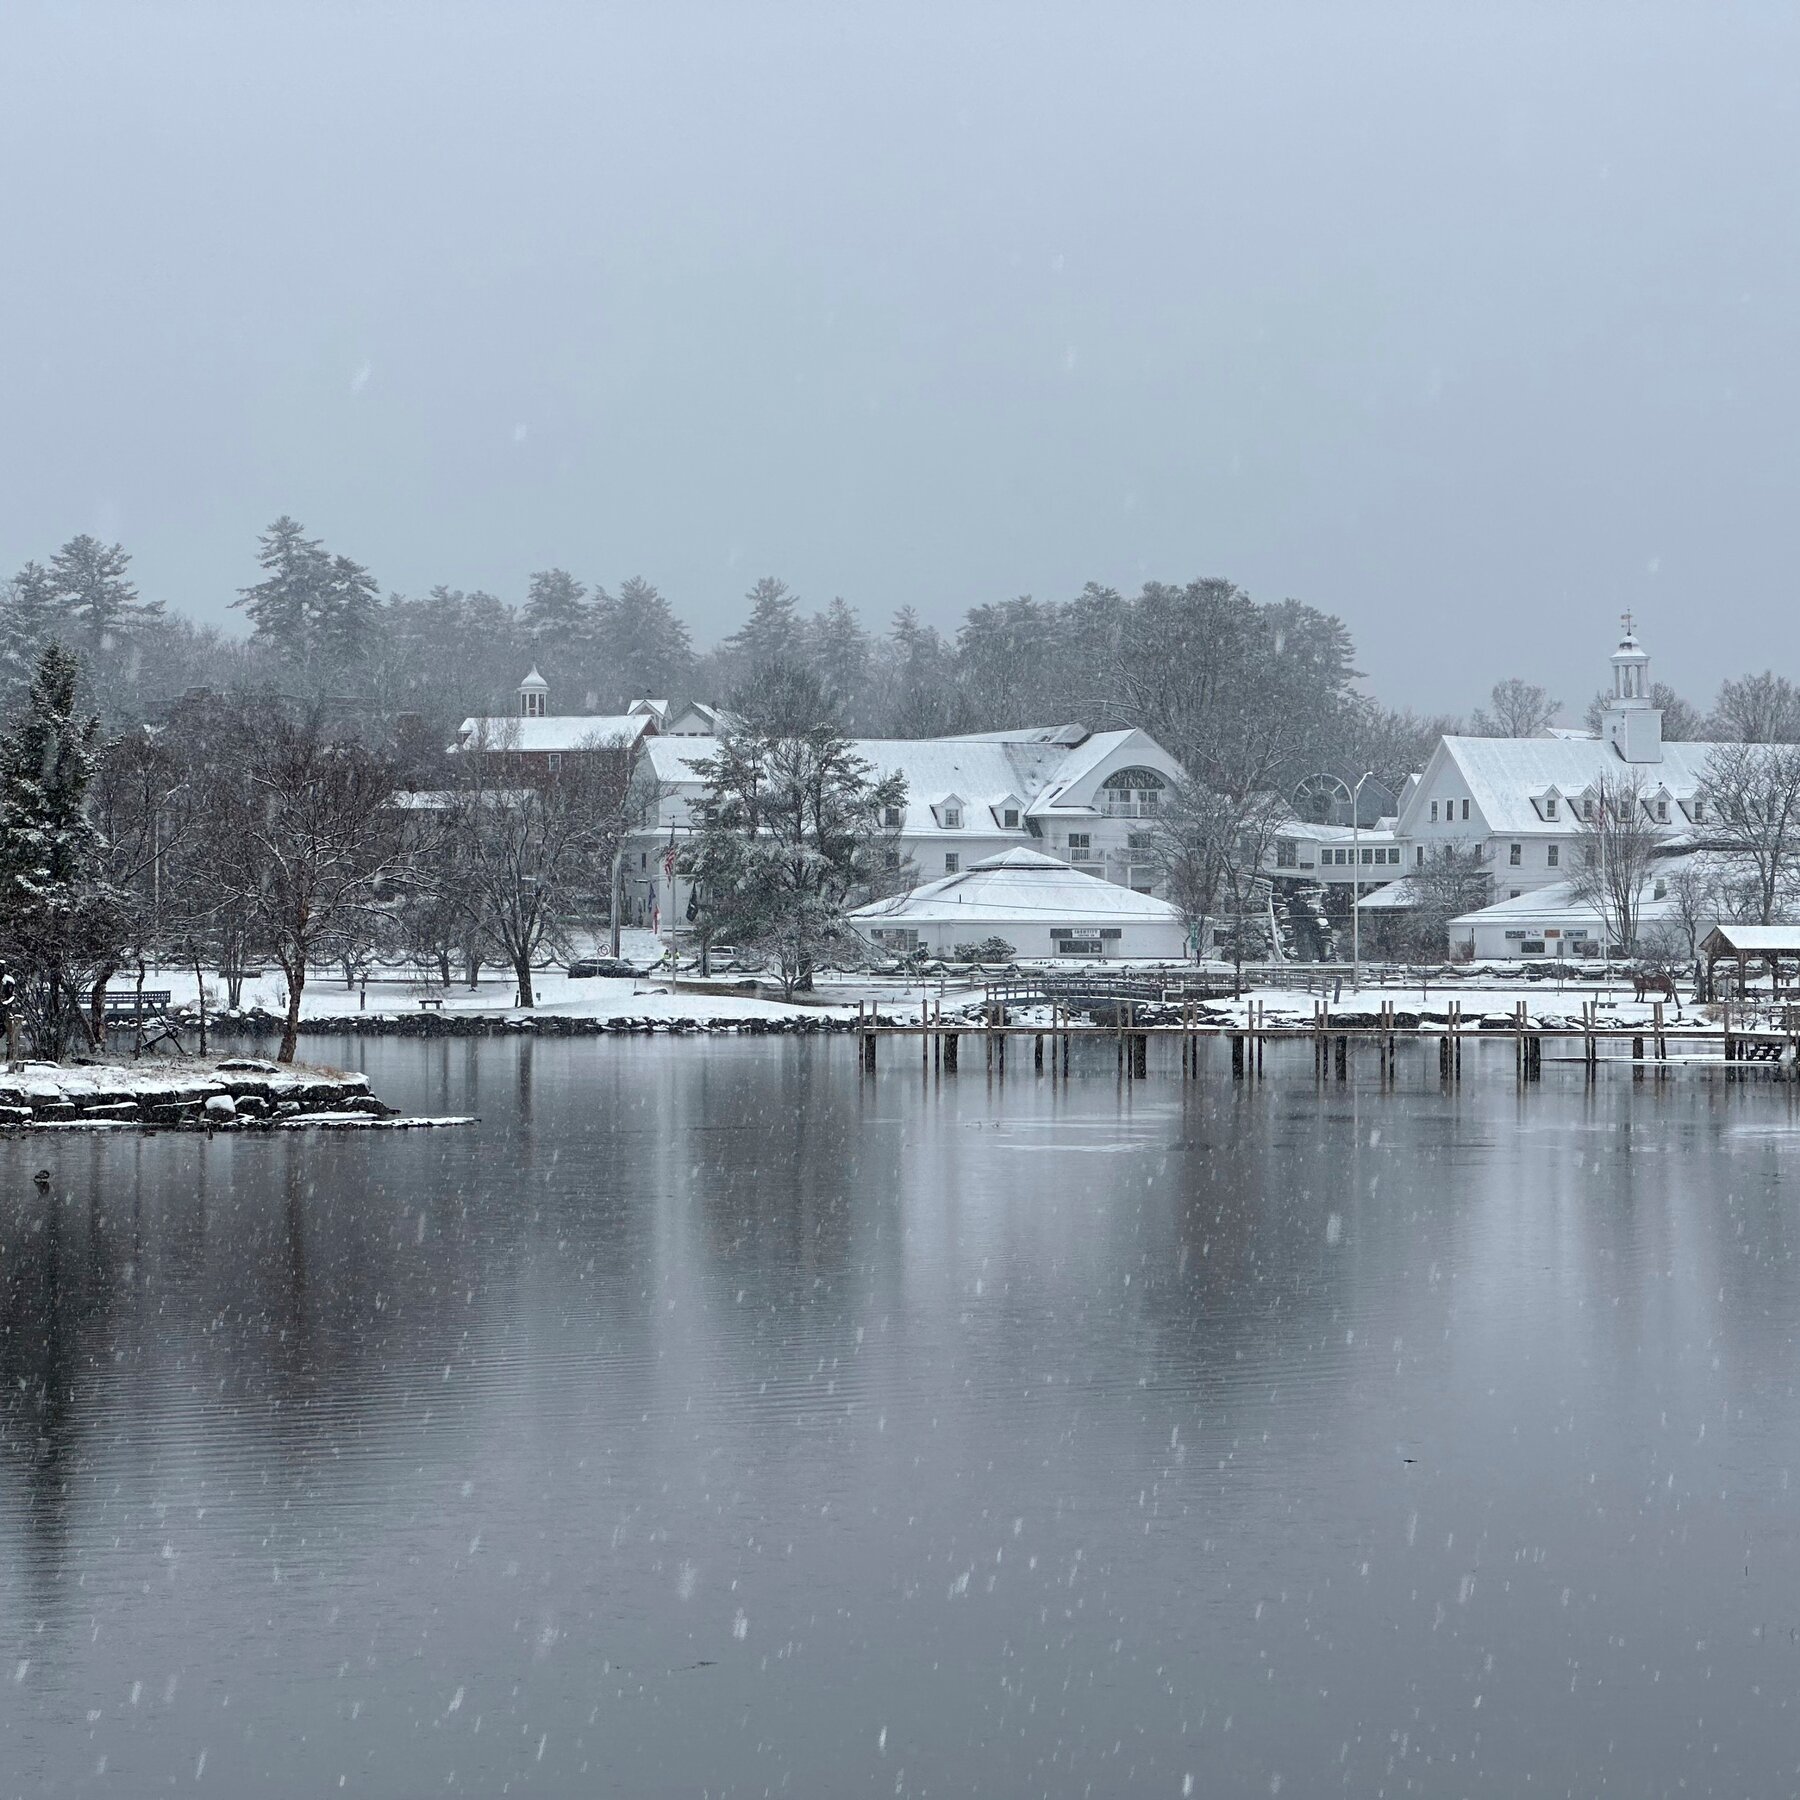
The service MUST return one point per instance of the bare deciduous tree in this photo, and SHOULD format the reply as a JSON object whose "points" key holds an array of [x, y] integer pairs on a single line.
{"points": [[1613, 854], [1751, 792], [531, 850], [301, 837], [1757, 709], [1519, 710]]}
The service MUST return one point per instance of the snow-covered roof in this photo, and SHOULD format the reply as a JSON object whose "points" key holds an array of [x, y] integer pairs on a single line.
{"points": [[1557, 900], [1754, 940], [1503, 774], [1304, 830], [533, 680], [986, 773], [574, 731], [1396, 896], [1020, 886]]}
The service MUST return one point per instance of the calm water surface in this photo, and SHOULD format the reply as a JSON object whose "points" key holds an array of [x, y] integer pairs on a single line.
{"points": [[708, 1422]]}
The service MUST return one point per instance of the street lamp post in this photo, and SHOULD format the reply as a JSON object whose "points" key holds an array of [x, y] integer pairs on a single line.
{"points": [[1354, 796]]}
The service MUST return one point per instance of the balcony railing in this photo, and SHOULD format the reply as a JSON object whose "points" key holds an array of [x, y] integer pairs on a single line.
{"points": [[1119, 808]]}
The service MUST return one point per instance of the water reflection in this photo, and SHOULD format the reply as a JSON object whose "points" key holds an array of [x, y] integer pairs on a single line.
{"points": [[711, 1420]]}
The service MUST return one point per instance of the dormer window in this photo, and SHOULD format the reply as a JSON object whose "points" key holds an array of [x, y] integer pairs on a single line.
{"points": [[1009, 818], [1549, 806], [953, 818], [890, 818], [1662, 812], [1699, 809]]}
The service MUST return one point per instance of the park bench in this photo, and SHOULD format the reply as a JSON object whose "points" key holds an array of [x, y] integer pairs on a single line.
{"points": [[432, 1002]]}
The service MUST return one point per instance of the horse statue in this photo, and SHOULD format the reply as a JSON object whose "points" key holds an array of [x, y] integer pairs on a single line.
{"points": [[1655, 984]]}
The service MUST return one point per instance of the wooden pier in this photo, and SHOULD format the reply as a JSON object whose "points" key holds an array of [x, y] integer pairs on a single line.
{"points": [[1646, 1048]]}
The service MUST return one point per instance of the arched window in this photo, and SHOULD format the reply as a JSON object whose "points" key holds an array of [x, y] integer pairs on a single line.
{"points": [[1132, 793]]}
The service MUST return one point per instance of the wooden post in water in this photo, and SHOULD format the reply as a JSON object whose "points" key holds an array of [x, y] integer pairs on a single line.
{"points": [[1237, 1057], [952, 1041]]}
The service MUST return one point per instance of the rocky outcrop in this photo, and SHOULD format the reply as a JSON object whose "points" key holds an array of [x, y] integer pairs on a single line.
{"points": [[235, 1094]]}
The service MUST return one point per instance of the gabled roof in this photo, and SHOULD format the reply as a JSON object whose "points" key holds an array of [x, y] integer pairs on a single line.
{"points": [[1503, 774], [985, 773]]}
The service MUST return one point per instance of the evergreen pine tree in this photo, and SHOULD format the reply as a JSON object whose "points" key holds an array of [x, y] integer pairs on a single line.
{"points": [[346, 616], [57, 916], [29, 614], [556, 612], [103, 605], [283, 605], [838, 648], [772, 632], [642, 642]]}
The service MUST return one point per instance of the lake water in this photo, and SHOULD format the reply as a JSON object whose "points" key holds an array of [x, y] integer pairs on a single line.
{"points": [[710, 1421]]}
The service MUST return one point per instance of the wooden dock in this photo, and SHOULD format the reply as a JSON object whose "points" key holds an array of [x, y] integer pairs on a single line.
{"points": [[1650, 1047]]}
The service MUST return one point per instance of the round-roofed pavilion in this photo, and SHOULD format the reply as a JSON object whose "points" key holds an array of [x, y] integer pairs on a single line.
{"points": [[1040, 906]]}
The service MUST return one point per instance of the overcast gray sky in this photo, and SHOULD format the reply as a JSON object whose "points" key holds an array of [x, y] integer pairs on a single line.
{"points": [[1472, 324]]}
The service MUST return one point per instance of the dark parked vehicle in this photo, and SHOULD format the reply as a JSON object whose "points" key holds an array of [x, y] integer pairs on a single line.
{"points": [[587, 968]]}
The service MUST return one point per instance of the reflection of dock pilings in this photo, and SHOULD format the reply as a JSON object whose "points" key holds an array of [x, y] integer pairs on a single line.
{"points": [[1645, 1047]]}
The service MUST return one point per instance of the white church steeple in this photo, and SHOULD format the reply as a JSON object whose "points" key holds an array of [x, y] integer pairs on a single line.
{"points": [[1630, 723]]}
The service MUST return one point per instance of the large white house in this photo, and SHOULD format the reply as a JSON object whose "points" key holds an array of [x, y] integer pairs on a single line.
{"points": [[1085, 799], [1522, 800]]}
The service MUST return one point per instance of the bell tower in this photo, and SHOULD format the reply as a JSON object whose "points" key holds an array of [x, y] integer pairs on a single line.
{"points": [[1630, 723]]}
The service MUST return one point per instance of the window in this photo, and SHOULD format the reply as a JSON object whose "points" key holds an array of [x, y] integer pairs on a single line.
{"points": [[953, 818], [890, 817], [1699, 810], [895, 937], [952, 862], [1553, 855], [1368, 857], [1662, 812], [1081, 846], [1550, 807], [1434, 812], [1287, 853], [1662, 889], [1465, 809], [1419, 854], [555, 761], [1516, 855], [1010, 818], [1517, 892], [1132, 793]]}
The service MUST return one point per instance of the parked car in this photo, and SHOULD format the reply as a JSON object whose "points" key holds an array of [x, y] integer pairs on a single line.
{"points": [[587, 968]]}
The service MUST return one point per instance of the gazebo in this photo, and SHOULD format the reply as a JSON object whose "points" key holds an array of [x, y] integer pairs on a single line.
{"points": [[1772, 945]]}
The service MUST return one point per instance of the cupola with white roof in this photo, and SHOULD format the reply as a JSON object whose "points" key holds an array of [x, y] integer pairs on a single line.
{"points": [[1630, 723]]}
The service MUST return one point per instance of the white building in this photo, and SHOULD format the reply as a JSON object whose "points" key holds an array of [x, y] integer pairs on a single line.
{"points": [[536, 741], [1522, 800], [1088, 800], [1335, 854], [1551, 921], [1039, 905]]}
